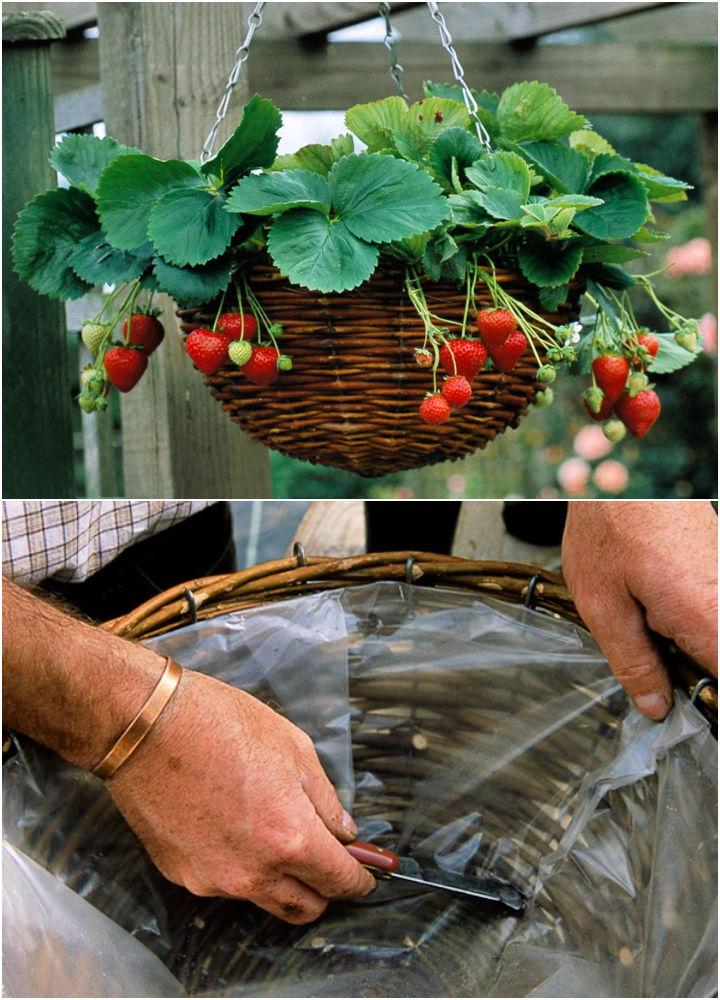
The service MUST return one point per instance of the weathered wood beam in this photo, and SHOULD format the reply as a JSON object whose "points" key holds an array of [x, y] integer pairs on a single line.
{"points": [[515, 22], [613, 78], [78, 109], [293, 20], [164, 66]]}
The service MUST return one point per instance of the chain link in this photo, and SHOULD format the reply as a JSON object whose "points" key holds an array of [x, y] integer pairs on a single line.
{"points": [[470, 102], [254, 22], [396, 70]]}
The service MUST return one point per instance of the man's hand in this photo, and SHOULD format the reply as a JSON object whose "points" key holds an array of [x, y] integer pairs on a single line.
{"points": [[637, 567], [230, 799]]}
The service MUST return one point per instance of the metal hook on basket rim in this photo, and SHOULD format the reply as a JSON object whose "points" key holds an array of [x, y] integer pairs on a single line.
{"points": [[299, 553], [192, 604], [530, 593], [700, 686], [409, 564], [396, 70]]}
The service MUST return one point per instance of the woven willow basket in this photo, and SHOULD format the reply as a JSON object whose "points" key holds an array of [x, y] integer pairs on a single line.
{"points": [[352, 397], [403, 732]]}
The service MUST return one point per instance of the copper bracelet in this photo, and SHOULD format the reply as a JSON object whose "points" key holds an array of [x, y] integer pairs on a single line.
{"points": [[143, 722]]}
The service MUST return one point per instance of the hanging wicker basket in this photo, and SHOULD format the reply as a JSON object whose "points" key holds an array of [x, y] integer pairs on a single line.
{"points": [[351, 400]]}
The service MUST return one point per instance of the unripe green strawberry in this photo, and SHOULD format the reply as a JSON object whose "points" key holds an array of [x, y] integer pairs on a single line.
{"points": [[87, 402], [569, 354], [636, 383], [240, 352], [93, 379], [275, 330], [594, 398], [284, 363], [687, 339], [546, 373], [544, 398], [101, 404], [614, 430], [555, 354], [92, 335]]}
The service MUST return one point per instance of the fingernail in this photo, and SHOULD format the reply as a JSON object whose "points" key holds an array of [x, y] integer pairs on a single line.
{"points": [[653, 705], [349, 823]]}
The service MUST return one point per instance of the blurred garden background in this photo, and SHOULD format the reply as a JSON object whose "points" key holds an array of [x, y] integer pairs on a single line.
{"points": [[555, 452]]}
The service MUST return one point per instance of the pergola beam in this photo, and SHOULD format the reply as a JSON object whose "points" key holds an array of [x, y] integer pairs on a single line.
{"points": [[617, 77]]}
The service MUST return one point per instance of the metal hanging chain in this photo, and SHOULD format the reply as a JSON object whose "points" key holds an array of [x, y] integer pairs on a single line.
{"points": [[254, 22], [396, 70], [470, 102]]}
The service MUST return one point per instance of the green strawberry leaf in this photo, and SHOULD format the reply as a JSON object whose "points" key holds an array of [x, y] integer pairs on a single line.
{"points": [[436, 115], [95, 261], [609, 276], [46, 233], [192, 286], [646, 235], [535, 111], [373, 123], [625, 208], [381, 199], [81, 159], [589, 142], [487, 101], [552, 298], [266, 194], [607, 163], [548, 264], [318, 254], [671, 357], [411, 143], [439, 250], [659, 187], [458, 145], [316, 157], [610, 253], [253, 144], [468, 211], [502, 203], [566, 170], [501, 170], [191, 226], [129, 189]]}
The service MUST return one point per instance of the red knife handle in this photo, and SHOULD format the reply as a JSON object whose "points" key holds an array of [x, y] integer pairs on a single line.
{"points": [[373, 856]]}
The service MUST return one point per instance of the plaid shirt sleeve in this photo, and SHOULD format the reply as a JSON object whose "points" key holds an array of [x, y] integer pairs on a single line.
{"points": [[71, 539]]}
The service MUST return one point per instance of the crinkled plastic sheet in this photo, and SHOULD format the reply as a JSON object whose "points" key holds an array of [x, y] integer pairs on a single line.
{"points": [[478, 735]]}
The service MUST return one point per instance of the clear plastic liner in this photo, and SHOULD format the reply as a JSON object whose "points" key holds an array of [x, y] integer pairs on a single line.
{"points": [[471, 734]]}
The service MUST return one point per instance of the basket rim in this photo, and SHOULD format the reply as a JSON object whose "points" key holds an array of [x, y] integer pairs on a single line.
{"points": [[298, 575]]}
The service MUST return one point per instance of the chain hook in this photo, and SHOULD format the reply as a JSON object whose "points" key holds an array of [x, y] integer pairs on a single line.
{"points": [[459, 74], [254, 22], [396, 70]]}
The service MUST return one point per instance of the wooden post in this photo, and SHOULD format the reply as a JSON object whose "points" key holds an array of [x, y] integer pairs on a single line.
{"points": [[163, 68], [37, 431]]}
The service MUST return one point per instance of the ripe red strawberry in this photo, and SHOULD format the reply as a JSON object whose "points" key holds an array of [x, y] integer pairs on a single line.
{"points": [[435, 409], [237, 325], [506, 355], [457, 390], [145, 331], [207, 350], [262, 367], [495, 325], [125, 366], [640, 412], [423, 357], [651, 345], [605, 411], [611, 373], [463, 357]]}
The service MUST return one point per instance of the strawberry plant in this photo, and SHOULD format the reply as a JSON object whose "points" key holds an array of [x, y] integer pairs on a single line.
{"points": [[534, 190]]}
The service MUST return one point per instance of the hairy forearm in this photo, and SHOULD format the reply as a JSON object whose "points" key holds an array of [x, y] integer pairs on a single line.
{"points": [[68, 684]]}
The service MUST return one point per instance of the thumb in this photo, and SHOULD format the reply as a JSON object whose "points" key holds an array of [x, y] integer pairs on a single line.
{"points": [[619, 627], [323, 796]]}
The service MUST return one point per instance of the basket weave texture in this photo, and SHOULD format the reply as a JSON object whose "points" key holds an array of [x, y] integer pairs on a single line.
{"points": [[351, 400], [284, 579]]}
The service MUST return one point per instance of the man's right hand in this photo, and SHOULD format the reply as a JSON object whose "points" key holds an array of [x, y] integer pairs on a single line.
{"points": [[230, 799]]}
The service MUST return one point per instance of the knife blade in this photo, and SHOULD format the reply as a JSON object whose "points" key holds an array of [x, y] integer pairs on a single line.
{"points": [[391, 865]]}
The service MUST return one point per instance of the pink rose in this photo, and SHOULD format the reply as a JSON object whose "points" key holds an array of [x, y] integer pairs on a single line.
{"points": [[611, 476], [708, 329], [573, 475], [590, 443], [694, 257]]}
